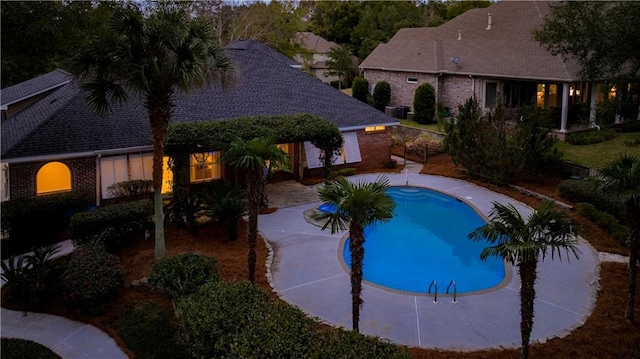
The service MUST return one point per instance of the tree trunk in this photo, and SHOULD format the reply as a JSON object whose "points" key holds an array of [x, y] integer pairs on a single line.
{"points": [[253, 192], [634, 246], [356, 247], [527, 297], [159, 121]]}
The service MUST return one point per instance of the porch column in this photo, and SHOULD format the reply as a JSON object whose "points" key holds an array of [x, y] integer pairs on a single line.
{"points": [[565, 107], [593, 87]]}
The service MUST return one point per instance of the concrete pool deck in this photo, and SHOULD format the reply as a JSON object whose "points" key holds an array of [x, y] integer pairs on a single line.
{"points": [[305, 270]]}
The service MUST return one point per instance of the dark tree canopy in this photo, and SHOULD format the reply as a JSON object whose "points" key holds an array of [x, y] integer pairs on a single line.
{"points": [[602, 36]]}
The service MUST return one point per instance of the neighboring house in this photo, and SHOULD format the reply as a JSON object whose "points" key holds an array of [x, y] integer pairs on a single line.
{"points": [[488, 53], [58, 143], [315, 62]]}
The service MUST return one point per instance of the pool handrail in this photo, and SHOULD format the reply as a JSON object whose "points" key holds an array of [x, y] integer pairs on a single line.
{"points": [[455, 291], [434, 285]]}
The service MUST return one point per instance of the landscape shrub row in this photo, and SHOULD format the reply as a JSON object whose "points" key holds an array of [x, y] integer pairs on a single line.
{"points": [[34, 222], [130, 188], [629, 126], [590, 137], [238, 320], [605, 221], [588, 190], [112, 224]]}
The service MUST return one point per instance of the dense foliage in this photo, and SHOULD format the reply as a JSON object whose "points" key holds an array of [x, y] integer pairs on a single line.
{"points": [[130, 188], [113, 224], [424, 102], [588, 190], [225, 202], [490, 146], [149, 332], [360, 89], [92, 278], [33, 222], [237, 320], [14, 348], [604, 220], [341, 64], [30, 278], [381, 95], [183, 274], [196, 137], [590, 137]]}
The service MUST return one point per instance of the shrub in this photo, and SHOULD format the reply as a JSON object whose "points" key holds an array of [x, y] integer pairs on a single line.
{"points": [[130, 188], [381, 95], [349, 171], [348, 344], [216, 314], [424, 102], [225, 202], [390, 164], [91, 279], [605, 221], [590, 137], [588, 190], [30, 278], [433, 146], [148, 331], [536, 147], [629, 126], [13, 348], [182, 275], [112, 224], [361, 89], [34, 222]]}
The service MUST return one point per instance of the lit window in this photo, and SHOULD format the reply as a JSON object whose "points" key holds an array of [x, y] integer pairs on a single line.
{"points": [[53, 177], [167, 176], [374, 128], [204, 167], [412, 80]]}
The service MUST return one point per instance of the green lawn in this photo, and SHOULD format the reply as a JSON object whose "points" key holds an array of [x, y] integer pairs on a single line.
{"points": [[430, 127], [600, 153]]}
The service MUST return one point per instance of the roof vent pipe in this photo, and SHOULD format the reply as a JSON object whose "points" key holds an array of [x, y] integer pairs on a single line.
{"points": [[459, 34], [488, 21]]}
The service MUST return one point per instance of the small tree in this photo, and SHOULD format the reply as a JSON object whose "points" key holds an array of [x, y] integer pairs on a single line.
{"points": [[361, 89], [381, 95], [424, 102], [340, 64]]}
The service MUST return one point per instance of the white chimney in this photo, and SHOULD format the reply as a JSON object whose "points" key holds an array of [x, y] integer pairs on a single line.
{"points": [[488, 21], [459, 34]]}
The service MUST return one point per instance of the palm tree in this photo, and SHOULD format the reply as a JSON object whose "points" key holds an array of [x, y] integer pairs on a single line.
{"points": [[522, 243], [356, 207], [622, 176], [252, 157], [152, 56]]}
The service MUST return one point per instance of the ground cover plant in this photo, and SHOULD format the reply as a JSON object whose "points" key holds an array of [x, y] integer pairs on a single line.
{"points": [[605, 334], [596, 155]]}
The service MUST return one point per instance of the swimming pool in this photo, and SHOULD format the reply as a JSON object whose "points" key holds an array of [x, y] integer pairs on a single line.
{"points": [[425, 241]]}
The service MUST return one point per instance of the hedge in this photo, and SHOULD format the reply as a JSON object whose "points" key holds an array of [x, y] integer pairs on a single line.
{"points": [[202, 136], [14, 348], [360, 89], [424, 102], [629, 126], [588, 190], [112, 224], [605, 221], [381, 95], [34, 222], [590, 137]]}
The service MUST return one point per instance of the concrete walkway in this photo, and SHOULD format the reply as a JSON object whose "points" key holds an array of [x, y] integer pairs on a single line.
{"points": [[67, 338], [305, 270]]}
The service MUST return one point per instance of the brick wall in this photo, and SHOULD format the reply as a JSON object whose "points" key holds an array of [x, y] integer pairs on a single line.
{"points": [[22, 176], [452, 90]]}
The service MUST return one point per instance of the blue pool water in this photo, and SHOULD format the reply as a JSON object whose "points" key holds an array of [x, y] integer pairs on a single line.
{"points": [[427, 240]]}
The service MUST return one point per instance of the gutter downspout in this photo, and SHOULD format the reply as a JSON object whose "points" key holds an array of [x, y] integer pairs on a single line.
{"points": [[436, 115], [98, 180]]}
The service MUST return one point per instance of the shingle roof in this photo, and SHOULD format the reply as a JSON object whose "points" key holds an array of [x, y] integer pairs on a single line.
{"points": [[314, 43], [266, 85], [508, 49], [37, 85]]}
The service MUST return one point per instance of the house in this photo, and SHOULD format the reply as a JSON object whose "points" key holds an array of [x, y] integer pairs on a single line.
{"points": [[488, 53], [57, 143], [316, 61]]}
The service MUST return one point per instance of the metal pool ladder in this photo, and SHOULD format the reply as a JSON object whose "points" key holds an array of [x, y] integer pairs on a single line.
{"points": [[434, 285], [455, 291]]}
